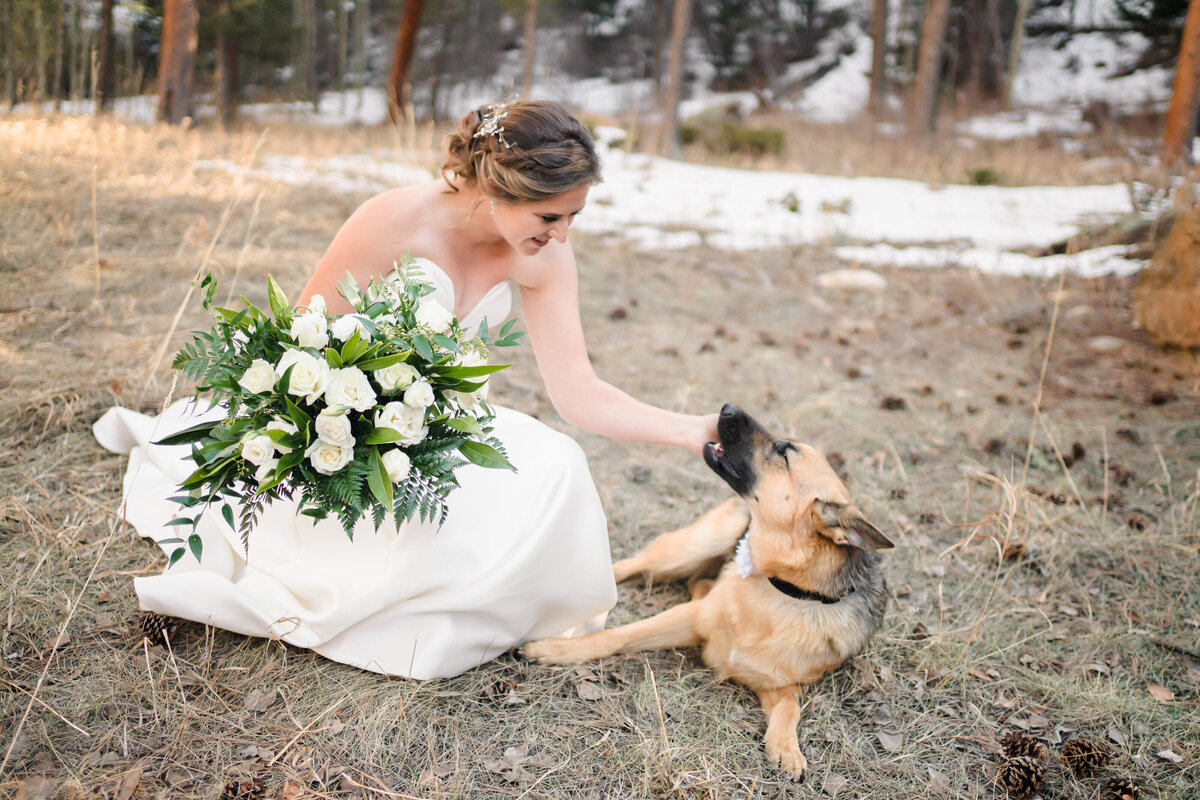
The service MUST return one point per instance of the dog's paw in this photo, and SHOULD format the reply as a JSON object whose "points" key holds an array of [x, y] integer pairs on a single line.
{"points": [[625, 569], [789, 760], [549, 651]]}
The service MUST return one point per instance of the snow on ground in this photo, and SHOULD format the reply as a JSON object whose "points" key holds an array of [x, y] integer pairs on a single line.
{"points": [[657, 203]]}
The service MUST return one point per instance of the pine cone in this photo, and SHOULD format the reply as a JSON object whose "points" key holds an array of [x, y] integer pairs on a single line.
{"points": [[1018, 744], [157, 627], [254, 788], [1084, 755], [1021, 776], [1121, 789]]}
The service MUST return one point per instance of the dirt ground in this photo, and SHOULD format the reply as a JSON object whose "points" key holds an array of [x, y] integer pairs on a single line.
{"points": [[1047, 586]]}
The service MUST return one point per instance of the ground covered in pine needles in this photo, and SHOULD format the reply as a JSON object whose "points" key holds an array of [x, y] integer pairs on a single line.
{"points": [[1044, 579]]}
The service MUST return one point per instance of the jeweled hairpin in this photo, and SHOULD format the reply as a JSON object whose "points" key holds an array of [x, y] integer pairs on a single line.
{"points": [[490, 125]]}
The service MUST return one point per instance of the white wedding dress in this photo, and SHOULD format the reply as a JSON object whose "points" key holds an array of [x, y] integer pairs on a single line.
{"points": [[520, 556]]}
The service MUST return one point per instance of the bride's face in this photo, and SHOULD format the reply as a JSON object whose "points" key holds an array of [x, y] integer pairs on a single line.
{"points": [[529, 227]]}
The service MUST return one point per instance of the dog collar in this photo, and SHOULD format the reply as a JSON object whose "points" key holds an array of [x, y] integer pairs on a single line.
{"points": [[744, 563], [792, 590]]}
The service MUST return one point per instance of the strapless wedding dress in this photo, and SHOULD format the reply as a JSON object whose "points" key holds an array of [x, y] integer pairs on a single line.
{"points": [[520, 556]]}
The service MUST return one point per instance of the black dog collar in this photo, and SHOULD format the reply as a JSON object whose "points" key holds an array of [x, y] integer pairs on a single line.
{"points": [[792, 590]]}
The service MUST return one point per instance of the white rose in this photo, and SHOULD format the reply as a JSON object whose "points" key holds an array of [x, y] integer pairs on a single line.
{"points": [[396, 377], [328, 458], [397, 464], [344, 327], [264, 471], [334, 429], [349, 387], [281, 424], [404, 420], [258, 449], [434, 315], [259, 377], [316, 304], [386, 319], [419, 395], [309, 330], [310, 375], [470, 401]]}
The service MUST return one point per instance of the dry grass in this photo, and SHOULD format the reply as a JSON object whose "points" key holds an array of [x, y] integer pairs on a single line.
{"points": [[1063, 636]]}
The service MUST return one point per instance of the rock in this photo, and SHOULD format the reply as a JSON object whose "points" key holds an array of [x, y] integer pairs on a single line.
{"points": [[1167, 294], [1107, 344], [862, 280]]}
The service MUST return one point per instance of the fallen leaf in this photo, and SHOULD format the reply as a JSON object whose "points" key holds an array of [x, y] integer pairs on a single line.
{"points": [[890, 740], [259, 699], [1117, 735], [1038, 722], [1096, 667], [589, 690], [1170, 755], [937, 781], [1160, 693], [834, 784], [54, 643], [129, 784], [35, 788], [104, 596], [983, 676], [176, 777], [291, 790]]}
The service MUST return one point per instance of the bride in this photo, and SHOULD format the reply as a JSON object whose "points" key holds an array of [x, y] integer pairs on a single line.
{"points": [[520, 556]]}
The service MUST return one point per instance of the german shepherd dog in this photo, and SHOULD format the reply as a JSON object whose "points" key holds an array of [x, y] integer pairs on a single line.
{"points": [[803, 593]]}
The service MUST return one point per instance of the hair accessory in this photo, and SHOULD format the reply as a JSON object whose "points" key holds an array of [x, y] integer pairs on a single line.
{"points": [[493, 206], [490, 125]]}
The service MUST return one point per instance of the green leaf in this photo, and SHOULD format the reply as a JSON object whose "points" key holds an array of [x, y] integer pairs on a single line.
{"points": [[172, 540], [383, 361], [195, 545], [178, 554], [466, 425], [449, 371], [485, 456], [350, 350], [422, 346], [280, 307], [300, 419], [446, 342], [333, 358], [483, 329], [384, 436], [188, 435], [378, 480], [227, 513]]}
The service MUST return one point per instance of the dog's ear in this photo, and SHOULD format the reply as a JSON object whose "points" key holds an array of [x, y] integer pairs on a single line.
{"points": [[844, 524]]}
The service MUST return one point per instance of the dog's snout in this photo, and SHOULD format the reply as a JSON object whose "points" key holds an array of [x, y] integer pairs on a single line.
{"points": [[730, 410]]}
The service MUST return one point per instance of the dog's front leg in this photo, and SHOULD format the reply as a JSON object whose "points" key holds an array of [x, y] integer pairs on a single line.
{"points": [[674, 627], [684, 552], [782, 707]]}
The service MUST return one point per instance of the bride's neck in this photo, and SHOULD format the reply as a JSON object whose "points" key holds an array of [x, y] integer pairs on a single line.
{"points": [[467, 212]]}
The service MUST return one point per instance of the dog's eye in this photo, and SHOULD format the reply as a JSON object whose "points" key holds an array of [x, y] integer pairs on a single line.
{"points": [[781, 448]]}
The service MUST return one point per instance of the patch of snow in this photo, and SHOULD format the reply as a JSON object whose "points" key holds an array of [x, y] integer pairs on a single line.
{"points": [[1088, 264]]}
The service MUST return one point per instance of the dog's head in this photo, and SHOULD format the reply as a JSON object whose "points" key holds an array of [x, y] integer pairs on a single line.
{"points": [[790, 487]]}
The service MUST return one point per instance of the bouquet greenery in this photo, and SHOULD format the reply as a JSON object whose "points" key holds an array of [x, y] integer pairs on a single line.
{"points": [[369, 412]]}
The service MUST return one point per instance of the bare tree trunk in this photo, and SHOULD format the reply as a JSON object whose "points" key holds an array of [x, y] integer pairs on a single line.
{"points": [[10, 53], [311, 87], [929, 67], [40, 51], [106, 79], [668, 142], [228, 86], [1181, 116], [531, 12], [406, 41], [177, 60], [879, 26], [660, 31], [59, 51], [362, 9], [1014, 49]]}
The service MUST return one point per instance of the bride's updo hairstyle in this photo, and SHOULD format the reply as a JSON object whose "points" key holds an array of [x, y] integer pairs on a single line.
{"points": [[521, 151]]}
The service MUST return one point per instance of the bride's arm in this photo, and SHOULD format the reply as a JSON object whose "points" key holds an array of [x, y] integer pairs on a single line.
{"points": [[362, 248], [551, 307]]}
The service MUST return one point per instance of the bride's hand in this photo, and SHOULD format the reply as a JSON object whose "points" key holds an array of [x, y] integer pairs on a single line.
{"points": [[704, 431]]}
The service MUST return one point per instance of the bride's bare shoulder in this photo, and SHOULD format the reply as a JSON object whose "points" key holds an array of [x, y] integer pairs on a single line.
{"points": [[553, 266], [401, 205]]}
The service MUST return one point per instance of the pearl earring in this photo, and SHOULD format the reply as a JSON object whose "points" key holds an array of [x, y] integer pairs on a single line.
{"points": [[493, 208]]}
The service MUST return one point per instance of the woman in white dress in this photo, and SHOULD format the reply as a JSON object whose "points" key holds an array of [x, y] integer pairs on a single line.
{"points": [[520, 556]]}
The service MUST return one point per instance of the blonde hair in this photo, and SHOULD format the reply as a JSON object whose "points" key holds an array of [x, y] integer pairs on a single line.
{"points": [[542, 152]]}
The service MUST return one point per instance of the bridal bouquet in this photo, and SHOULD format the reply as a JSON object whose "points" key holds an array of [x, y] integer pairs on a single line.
{"points": [[362, 413]]}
